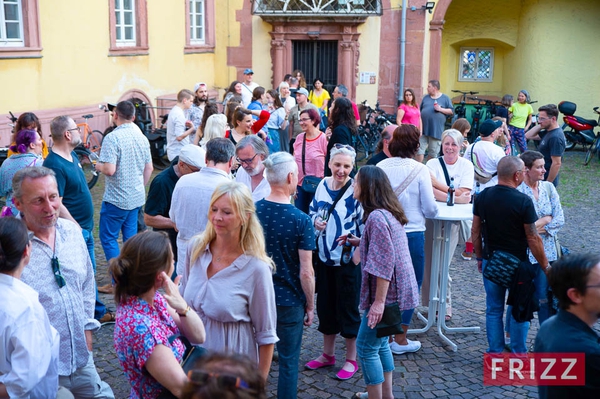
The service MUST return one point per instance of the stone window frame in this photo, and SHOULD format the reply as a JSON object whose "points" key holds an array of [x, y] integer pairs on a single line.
{"points": [[32, 47], [209, 29], [141, 31]]}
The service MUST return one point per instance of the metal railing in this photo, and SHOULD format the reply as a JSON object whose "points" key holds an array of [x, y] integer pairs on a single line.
{"points": [[316, 7]]}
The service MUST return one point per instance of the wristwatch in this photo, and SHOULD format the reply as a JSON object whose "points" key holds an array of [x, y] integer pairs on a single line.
{"points": [[185, 312]]}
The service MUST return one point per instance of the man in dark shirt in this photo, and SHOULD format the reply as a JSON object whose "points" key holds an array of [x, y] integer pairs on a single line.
{"points": [[575, 282], [506, 219], [552, 144], [158, 203], [290, 239], [386, 137], [76, 198]]}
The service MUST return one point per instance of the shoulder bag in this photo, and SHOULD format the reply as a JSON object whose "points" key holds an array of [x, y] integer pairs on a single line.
{"points": [[407, 181], [481, 176], [391, 320], [309, 183], [446, 174], [501, 268]]}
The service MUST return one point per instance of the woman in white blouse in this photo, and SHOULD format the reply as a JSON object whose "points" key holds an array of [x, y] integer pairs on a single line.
{"points": [[411, 182]]}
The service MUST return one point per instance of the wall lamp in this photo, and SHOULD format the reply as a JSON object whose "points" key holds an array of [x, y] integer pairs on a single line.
{"points": [[428, 6]]}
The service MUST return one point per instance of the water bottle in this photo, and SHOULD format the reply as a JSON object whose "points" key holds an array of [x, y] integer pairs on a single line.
{"points": [[476, 193], [346, 252], [451, 190]]}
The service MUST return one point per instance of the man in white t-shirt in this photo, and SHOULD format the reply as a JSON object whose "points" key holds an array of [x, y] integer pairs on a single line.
{"points": [[178, 126], [248, 87], [484, 154]]}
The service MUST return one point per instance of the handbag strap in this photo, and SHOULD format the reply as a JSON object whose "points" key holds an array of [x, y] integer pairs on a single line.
{"points": [[303, 153], [338, 197], [407, 181], [446, 175]]}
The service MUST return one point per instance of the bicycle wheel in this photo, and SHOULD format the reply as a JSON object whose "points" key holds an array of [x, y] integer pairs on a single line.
{"points": [[91, 176], [590, 152], [94, 141], [360, 147]]}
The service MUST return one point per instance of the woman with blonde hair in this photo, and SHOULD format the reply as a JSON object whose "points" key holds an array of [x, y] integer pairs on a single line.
{"points": [[216, 126], [228, 280]]}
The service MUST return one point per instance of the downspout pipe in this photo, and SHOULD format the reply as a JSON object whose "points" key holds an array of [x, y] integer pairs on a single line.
{"points": [[402, 51]]}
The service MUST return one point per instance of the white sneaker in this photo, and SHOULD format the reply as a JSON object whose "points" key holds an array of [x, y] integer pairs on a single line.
{"points": [[398, 349]]}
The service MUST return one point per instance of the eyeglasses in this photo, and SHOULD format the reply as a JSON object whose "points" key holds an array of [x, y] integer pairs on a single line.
{"points": [[60, 280], [246, 161], [593, 286], [223, 381], [304, 119], [542, 119], [339, 146], [75, 128]]}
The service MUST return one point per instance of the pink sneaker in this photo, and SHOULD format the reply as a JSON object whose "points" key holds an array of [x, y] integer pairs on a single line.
{"points": [[346, 375], [315, 364]]}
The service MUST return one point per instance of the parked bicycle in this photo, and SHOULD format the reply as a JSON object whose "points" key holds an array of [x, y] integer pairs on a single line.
{"points": [[460, 111], [595, 147], [369, 131]]}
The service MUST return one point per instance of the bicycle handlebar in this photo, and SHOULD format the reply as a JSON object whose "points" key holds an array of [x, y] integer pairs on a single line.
{"points": [[465, 92]]}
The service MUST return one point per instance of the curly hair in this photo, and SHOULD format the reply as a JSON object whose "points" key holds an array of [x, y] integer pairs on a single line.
{"points": [[343, 115]]}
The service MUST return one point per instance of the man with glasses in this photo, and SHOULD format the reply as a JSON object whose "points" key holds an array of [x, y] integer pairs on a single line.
{"points": [[552, 144], [158, 203], [75, 195], [575, 282], [191, 197], [250, 153], [504, 220], [60, 270]]}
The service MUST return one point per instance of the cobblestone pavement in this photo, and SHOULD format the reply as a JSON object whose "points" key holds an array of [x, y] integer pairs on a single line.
{"points": [[434, 371]]}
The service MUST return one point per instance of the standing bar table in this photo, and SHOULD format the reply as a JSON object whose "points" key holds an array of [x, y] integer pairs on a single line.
{"points": [[440, 265]]}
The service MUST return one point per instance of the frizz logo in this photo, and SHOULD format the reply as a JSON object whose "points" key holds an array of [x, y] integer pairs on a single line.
{"points": [[534, 369]]}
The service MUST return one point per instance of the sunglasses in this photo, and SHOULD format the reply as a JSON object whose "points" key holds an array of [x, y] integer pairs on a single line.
{"points": [[60, 280], [223, 381], [339, 146]]}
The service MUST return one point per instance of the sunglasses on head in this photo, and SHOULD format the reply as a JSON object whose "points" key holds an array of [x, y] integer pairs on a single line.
{"points": [[223, 381]]}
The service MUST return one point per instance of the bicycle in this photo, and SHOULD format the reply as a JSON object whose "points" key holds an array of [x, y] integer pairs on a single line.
{"points": [[460, 111], [91, 139], [369, 131], [595, 147]]}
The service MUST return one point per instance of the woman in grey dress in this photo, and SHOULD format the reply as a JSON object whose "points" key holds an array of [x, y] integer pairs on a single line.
{"points": [[228, 279]]}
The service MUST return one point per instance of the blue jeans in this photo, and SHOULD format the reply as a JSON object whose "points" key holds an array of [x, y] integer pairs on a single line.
{"points": [[495, 298], [416, 247], [374, 353], [99, 309], [112, 220], [290, 324], [303, 200]]}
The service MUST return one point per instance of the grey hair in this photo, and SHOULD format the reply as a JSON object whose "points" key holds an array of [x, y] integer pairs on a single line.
{"points": [[283, 84], [508, 166], [216, 125], [293, 81], [256, 142], [454, 135], [59, 126], [343, 151], [343, 90], [34, 172], [278, 166]]}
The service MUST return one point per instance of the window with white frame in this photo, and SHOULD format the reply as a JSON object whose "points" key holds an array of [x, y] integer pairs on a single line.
{"points": [[11, 23], [476, 64], [125, 23], [197, 22]]}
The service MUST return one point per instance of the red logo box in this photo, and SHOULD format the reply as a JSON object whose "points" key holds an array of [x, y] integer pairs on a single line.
{"points": [[534, 369]]}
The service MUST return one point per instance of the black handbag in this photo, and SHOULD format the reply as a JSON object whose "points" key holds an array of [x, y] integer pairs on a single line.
{"points": [[309, 183], [391, 320], [501, 268]]}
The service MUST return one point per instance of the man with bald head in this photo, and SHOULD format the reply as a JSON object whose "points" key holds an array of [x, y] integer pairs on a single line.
{"points": [[505, 219]]}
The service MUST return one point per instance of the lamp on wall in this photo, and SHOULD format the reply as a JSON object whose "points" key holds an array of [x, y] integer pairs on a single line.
{"points": [[429, 6]]}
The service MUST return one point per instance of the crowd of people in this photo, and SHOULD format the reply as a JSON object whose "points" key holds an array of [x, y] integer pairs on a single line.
{"points": [[261, 209]]}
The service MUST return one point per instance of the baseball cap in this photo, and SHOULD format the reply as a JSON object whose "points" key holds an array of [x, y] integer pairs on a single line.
{"points": [[488, 127], [197, 86], [248, 71], [193, 155], [302, 90]]}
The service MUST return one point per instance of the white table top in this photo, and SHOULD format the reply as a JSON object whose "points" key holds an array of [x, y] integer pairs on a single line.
{"points": [[456, 212]]}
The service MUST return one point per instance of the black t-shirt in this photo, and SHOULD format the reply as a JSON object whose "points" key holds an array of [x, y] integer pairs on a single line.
{"points": [[73, 189], [375, 159], [503, 211], [552, 145], [502, 112], [340, 135], [159, 200]]}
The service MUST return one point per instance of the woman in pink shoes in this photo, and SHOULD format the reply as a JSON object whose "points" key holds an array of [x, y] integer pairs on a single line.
{"points": [[335, 214]]}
